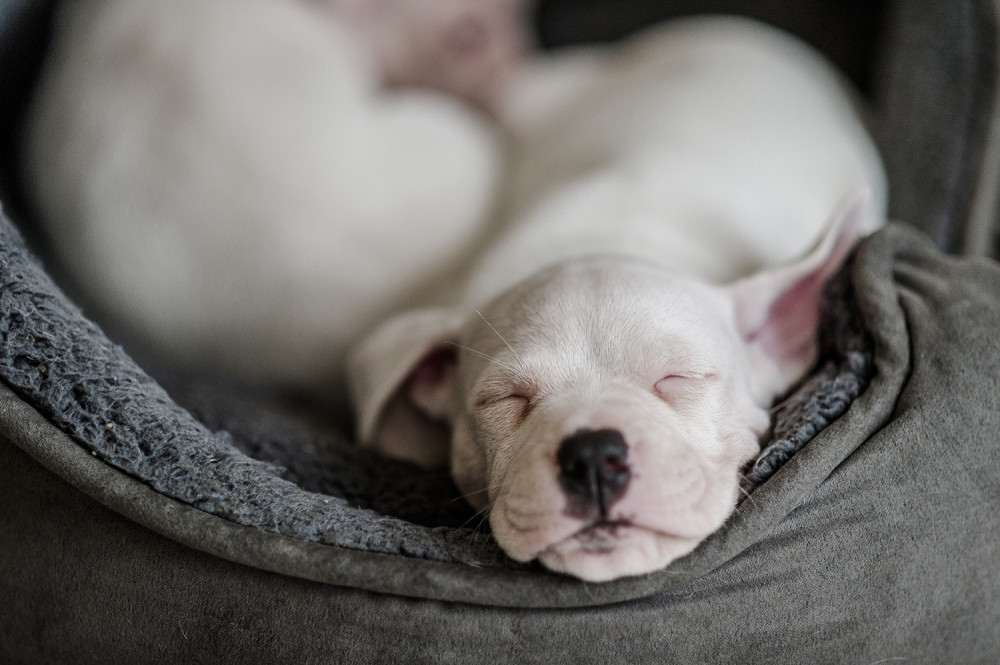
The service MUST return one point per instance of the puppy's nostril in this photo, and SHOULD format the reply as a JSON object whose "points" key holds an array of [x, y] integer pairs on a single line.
{"points": [[593, 470]]}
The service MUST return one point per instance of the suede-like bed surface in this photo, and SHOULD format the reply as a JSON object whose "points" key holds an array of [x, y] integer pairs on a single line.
{"points": [[876, 540]]}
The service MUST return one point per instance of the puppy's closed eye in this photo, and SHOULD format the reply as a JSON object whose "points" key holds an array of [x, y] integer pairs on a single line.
{"points": [[512, 406], [682, 386]]}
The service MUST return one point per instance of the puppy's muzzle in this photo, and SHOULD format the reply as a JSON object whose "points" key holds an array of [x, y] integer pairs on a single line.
{"points": [[593, 471]]}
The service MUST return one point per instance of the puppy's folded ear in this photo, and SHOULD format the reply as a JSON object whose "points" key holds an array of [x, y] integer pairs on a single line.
{"points": [[777, 311], [401, 379]]}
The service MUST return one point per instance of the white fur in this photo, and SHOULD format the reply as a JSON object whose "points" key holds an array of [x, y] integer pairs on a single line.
{"points": [[466, 48], [229, 178], [656, 279]]}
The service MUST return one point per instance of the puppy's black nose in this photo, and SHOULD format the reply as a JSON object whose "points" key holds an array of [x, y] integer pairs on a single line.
{"points": [[593, 470]]}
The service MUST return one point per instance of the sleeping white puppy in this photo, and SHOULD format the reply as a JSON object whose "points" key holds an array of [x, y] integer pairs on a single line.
{"points": [[679, 203], [232, 180]]}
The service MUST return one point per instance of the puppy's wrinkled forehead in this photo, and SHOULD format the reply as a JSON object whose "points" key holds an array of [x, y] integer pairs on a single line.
{"points": [[601, 313]]}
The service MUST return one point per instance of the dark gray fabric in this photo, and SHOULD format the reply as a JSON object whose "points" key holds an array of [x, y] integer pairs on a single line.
{"points": [[23, 33], [876, 542], [936, 97]]}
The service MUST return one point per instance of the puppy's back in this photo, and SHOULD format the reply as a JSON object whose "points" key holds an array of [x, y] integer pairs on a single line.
{"points": [[718, 145]]}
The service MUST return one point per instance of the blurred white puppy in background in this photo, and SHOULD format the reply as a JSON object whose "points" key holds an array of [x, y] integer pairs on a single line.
{"points": [[249, 184], [466, 48], [677, 205]]}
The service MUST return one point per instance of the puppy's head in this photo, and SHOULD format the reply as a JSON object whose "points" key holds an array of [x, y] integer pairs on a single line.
{"points": [[602, 409]]}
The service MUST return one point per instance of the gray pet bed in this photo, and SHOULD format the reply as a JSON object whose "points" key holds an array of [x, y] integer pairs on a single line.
{"points": [[186, 519]]}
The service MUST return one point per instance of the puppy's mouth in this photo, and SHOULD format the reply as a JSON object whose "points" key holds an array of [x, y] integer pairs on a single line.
{"points": [[607, 549], [602, 536]]}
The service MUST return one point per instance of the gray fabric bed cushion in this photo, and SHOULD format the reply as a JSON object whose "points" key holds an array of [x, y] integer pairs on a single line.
{"points": [[936, 100], [285, 469], [876, 541]]}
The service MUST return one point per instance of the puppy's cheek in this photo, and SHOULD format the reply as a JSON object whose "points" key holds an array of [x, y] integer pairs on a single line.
{"points": [[680, 493], [743, 447], [717, 502], [529, 511], [740, 439]]}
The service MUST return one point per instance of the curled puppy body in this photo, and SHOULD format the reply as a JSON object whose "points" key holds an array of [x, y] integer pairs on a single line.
{"points": [[234, 180], [678, 204], [466, 48]]}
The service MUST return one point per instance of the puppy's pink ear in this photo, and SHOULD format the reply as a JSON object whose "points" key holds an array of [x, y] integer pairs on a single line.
{"points": [[777, 311], [401, 380]]}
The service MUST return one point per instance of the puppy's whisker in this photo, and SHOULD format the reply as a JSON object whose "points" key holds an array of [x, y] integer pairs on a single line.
{"points": [[748, 495], [482, 523], [466, 496], [478, 530], [502, 339], [483, 514], [672, 305], [779, 406], [509, 368]]}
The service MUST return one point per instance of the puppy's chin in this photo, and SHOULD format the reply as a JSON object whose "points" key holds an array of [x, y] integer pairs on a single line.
{"points": [[600, 554], [649, 527]]}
